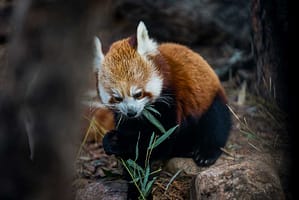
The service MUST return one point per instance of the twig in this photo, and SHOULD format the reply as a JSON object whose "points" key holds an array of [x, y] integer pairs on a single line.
{"points": [[254, 147], [172, 178], [227, 152]]}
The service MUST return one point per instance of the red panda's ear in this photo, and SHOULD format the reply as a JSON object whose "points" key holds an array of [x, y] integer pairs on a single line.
{"points": [[98, 54], [145, 45], [133, 41]]}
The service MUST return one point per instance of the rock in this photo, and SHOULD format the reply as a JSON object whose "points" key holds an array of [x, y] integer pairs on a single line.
{"points": [[187, 165], [103, 190], [250, 179]]}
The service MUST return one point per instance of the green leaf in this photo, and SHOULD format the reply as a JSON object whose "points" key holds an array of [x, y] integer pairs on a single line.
{"points": [[146, 176], [151, 141], [134, 165], [136, 154], [249, 135], [136, 148], [129, 171], [164, 136], [153, 120], [135, 180], [150, 108], [140, 175], [149, 149], [149, 187]]}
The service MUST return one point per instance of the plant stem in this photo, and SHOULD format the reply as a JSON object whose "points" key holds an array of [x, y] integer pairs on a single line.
{"points": [[124, 164]]}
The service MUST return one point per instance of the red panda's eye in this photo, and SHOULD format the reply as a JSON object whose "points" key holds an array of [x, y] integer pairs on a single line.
{"points": [[138, 95], [117, 99]]}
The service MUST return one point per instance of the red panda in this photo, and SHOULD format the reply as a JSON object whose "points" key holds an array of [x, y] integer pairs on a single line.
{"points": [[179, 83]]}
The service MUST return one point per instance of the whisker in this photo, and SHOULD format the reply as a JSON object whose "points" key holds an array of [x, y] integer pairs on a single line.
{"points": [[120, 119], [167, 99]]}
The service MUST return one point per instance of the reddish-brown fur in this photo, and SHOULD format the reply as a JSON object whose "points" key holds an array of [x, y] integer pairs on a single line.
{"points": [[122, 54], [101, 121], [194, 82]]}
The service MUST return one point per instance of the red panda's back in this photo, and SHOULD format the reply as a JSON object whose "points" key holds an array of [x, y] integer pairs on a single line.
{"points": [[195, 82]]}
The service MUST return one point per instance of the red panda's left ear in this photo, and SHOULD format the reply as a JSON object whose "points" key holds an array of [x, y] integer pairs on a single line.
{"points": [[145, 45], [98, 54]]}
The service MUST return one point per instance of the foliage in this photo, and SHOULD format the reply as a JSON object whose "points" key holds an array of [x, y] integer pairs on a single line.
{"points": [[141, 175]]}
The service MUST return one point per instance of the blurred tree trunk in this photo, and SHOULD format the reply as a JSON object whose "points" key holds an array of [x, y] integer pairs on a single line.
{"points": [[269, 34], [272, 76]]}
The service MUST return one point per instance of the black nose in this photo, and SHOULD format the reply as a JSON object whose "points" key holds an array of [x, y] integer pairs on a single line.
{"points": [[131, 113]]}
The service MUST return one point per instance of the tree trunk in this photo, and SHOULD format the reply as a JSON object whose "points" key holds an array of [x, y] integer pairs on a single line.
{"points": [[269, 29]]}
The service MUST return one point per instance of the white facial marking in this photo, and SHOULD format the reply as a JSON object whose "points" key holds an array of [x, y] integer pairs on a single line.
{"points": [[105, 97], [154, 85], [134, 90], [98, 54], [145, 45], [131, 105], [116, 93]]}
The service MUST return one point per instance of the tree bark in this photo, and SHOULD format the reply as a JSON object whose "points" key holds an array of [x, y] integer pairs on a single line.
{"points": [[269, 31]]}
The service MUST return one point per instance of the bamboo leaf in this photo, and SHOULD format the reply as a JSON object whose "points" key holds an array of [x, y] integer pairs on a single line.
{"points": [[140, 174], [134, 165], [136, 154], [146, 176], [151, 141], [164, 136], [129, 171], [136, 148], [149, 150], [153, 120], [149, 187], [150, 108]]}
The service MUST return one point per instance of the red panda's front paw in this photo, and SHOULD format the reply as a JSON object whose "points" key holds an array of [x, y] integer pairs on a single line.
{"points": [[206, 158], [111, 143]]}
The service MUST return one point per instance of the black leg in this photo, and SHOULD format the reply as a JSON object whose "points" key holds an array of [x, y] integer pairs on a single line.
{"points": [[212, 133]]}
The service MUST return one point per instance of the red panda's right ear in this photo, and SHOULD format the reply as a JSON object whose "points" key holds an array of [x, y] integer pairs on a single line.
{"points": [[145, 45], [98, 54]]}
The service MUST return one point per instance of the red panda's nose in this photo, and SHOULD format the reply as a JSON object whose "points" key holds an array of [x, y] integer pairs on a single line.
{"points": [[131, 113]]}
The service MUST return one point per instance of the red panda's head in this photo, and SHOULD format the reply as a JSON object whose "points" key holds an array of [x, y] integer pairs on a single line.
{"points": [[127, 79]]}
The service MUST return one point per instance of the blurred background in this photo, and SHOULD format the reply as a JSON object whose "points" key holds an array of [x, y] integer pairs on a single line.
{"points": [[45, 66]]}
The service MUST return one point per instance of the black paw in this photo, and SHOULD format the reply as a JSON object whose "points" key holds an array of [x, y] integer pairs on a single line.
{"points": [[111, 143], [204, 160]]}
